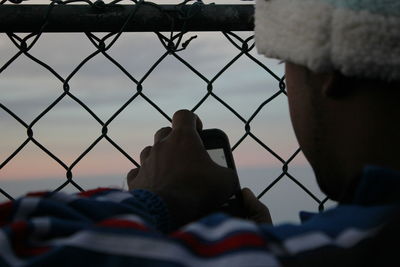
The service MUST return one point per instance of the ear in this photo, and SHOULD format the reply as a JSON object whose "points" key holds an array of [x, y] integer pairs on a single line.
{"points": [[336, 86]]}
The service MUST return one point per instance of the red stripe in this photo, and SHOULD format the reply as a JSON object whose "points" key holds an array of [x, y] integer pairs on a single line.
{"points": [[5, 212], [90, 193], [37, 194], [119, 223], [19, 237], [239, 241], [32, 251]]}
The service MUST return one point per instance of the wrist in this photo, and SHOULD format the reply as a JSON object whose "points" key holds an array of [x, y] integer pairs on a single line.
{"points": [[181, 208]]}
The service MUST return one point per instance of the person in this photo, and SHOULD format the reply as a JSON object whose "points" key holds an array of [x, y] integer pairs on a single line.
{"points": [[342, 70]]}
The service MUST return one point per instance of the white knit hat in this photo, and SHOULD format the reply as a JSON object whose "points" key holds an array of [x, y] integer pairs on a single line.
{"points": [[359, 38]]}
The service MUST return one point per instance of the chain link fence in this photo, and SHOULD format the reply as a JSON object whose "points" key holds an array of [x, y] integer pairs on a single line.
{"points": [[173, 26]]}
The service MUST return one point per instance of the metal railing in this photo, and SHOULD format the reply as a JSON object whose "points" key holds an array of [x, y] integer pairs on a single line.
{"points": [[170, 24]]}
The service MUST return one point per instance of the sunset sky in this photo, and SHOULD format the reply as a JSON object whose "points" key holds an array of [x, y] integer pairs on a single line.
{"points": [[67, 130]]}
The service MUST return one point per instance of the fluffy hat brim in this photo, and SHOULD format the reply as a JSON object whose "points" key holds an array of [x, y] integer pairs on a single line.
{"points": [[324, 37]]}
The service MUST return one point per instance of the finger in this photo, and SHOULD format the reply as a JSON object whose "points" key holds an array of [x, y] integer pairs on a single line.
{"points": [[131, 176], [161, 134], [256, 210], [251, 202], [199, 123], [248, 199], [145, 154], [184, 119]]}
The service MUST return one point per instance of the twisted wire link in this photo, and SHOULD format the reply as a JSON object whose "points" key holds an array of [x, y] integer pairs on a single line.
{"points": [[173, 43]]}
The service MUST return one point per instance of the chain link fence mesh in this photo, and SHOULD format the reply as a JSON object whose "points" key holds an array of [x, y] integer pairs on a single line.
{"points": [[173, 42]]}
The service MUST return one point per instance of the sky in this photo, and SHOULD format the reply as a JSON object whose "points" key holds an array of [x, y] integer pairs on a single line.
{"points": [[68, 129]]}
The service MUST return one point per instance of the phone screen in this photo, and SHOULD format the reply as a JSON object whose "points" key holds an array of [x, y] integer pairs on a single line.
{"points": [[218, 156], [217, 145]]}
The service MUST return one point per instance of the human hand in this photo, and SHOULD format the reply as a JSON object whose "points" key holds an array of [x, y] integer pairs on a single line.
{"points": [[255, 210], [178, 168]]}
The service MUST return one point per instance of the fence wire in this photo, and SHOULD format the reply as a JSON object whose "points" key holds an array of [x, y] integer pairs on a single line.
{"points": [[173, 42]]}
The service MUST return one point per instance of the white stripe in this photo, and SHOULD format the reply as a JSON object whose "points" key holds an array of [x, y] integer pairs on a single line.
{"points": [[306, 242], [64, 197], [348, 238], [26, 206], [212, 233], [41, 226], [162, 250], [6, 252], [276, 248], [116, 197], [353, 236]]}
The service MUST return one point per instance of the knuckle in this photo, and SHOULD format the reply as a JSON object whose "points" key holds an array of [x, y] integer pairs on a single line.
{"points": [[183, 132], [145, 151], [132, 173], [163, 131], [265, 207], [147, 148], [157, 148], [183, 113], [182, 139], [179, 132]]}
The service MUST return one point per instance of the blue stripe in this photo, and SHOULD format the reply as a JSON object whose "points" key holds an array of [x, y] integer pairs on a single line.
{"points": [[68, 256], [381, 7], [2, 262], [333, 222]]}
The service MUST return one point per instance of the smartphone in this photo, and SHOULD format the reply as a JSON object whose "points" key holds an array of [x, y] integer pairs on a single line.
{"points": [[216, 143]]}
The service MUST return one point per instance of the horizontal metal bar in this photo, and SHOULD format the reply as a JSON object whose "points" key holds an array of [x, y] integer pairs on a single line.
{"points": [[110, 18]]}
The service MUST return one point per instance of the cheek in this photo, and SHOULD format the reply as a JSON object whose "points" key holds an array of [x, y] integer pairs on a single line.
{"points": [[303, 119], [300, 119], [299, 110], [303, 111], [296, 100]]}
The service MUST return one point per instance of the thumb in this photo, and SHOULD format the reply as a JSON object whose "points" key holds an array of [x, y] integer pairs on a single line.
{"points": [[185, 119], [131, 177], [255, 209]]}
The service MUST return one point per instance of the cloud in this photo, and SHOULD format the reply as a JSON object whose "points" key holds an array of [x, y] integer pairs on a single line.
{"points": [[100, 83], [28, 88]]}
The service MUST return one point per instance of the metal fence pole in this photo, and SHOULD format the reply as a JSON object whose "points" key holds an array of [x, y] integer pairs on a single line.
{"points": [[110, 18]]}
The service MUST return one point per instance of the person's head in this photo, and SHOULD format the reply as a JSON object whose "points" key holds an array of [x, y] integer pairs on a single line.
{"points": [[343, 81]]}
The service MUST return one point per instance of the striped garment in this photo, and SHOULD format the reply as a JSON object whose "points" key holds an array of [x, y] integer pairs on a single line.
{"points": [[110, 227]]}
